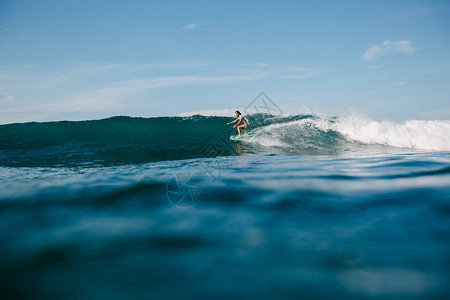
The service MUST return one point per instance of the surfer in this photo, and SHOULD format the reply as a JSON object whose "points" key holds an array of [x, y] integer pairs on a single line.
{"points": [[240, 118]]}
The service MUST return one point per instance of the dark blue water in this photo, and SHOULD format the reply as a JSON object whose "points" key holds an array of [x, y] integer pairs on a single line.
{"points": [[338, 218]]}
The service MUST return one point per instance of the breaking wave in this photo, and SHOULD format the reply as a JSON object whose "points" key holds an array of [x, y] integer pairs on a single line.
{"points": [[127, 140]]}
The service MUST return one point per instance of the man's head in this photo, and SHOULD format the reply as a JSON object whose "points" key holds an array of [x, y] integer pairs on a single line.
{"points": [[238, 113]]}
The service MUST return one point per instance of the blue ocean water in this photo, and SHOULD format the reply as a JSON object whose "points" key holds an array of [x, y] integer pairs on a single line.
{"points": [[308, 208]]}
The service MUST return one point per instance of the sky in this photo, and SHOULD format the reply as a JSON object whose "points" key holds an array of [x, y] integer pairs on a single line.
{"points": [[78, 60]]}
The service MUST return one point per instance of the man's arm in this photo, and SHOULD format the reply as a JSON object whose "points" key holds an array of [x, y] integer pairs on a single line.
{"points": [[240, 120]]}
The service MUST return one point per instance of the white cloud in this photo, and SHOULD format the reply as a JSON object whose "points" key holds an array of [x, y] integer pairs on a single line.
{"points": [[389, 47], [190, 26], [400, 83]]}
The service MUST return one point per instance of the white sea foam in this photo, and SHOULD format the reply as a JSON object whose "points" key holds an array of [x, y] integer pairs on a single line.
{"points": [[305, 133], [299, 134], [418, 134], [310, 132]]}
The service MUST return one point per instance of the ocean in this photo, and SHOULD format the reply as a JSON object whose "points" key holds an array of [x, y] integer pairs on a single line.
{"points": [[310, 207]]}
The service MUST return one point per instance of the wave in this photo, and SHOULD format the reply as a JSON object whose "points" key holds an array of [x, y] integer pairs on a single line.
{"points": [[324, 133], [127, 140]]}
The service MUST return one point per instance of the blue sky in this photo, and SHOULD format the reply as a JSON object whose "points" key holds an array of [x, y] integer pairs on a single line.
{"points": [[76, 60]]}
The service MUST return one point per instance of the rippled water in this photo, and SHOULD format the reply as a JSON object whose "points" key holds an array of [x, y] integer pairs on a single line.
{"points": [[355, 225]]}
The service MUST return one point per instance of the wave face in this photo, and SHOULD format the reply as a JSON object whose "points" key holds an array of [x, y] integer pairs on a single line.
{"points": [[126, 140]]}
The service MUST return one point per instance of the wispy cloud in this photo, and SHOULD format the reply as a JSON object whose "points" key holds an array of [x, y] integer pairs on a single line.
{"points": [[4, 98], [7, 28], [400, 83], [190, 26], [388, 47], [280, 71], [93, 68], [375, 67], [29, 94], [114, 94]]}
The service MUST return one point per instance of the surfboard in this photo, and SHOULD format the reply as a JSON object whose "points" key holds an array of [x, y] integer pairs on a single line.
{"points": [[236, 138]]}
